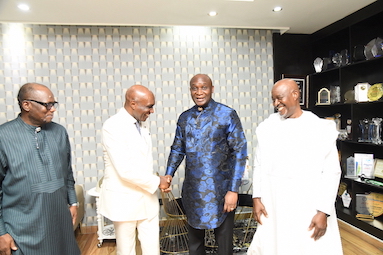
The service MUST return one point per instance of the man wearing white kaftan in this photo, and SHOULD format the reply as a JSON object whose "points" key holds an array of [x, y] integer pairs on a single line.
{"points": [[296, 177]]}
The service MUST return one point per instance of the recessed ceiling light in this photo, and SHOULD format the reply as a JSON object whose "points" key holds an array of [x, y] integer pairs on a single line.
{"points": [[277, 9], [212, 13], [23, 7]]}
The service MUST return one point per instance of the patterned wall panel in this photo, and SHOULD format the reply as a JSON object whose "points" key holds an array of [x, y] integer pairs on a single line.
{"points": [[89, 69]]}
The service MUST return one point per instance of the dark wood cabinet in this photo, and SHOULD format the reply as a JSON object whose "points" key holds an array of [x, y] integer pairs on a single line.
{"points": [[346, 77]]}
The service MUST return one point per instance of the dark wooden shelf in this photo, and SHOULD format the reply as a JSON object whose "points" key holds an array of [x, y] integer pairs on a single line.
{"points": [[366, 184], [374, 227], [346, 77]]}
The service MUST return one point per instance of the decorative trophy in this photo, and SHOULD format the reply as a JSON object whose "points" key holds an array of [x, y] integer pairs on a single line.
{"points": [[361, 90], [337, 120], [334, 94], [323, 96], [376, 130], [364, 127]]}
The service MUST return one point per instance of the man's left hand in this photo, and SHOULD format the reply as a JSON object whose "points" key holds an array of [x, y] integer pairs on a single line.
{"points": [[73, 212], [319, 224]]}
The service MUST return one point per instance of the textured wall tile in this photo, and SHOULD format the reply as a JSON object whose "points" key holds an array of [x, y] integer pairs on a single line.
{"points": [[90, 68]]}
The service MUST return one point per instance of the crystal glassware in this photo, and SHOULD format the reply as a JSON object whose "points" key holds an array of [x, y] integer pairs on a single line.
{"points": [[376, 131], [364, 128]]}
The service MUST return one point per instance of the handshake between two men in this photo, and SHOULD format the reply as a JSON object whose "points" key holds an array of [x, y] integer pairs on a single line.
{"points": [[165, 182]]}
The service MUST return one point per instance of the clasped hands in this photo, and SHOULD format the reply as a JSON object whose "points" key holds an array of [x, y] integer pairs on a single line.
{"points": [[165, 182]]}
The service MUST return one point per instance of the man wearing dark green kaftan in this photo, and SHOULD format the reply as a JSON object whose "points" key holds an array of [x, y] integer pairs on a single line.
{"points": [[37, 195]]}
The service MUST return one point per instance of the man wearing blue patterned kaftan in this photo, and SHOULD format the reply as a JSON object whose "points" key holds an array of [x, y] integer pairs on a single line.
{"points": [[211, 137], [37, 197]]}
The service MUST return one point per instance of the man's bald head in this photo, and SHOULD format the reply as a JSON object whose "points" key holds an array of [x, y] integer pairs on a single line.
{"points": [[286, 98], [203, 77], [28, 90], [287, 84], [137, 92], [139, 102]]}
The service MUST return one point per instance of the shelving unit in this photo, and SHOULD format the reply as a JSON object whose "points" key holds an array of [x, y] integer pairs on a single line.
{"points": [[346, 77]]}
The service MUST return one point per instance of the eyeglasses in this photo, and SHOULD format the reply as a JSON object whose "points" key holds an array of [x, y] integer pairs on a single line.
{"points": [[47, 105]]}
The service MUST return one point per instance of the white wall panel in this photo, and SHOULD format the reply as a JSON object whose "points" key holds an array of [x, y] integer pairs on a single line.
{"points": [[89, 69]]}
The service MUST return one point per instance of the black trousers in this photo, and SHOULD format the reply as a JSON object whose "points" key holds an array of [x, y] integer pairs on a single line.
{"points": [[223, 237]]}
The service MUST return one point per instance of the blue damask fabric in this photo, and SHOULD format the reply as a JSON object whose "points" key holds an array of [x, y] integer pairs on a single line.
{"points": [[215, 147]]}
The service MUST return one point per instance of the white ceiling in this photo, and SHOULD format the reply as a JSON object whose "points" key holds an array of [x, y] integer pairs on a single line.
{"points": [[297, 16]]}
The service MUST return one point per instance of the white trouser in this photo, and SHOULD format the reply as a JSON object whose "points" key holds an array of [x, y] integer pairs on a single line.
{"points": [[148, 234]]}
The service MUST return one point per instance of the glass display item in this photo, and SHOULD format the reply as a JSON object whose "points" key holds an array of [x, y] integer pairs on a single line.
{"points": [[327, 64], [376, 130], [318, 64], [337, 59], [368, 48], [344, 57], [377, 48], [334, 94], [342, 135], [374, 48], [364, 128]]}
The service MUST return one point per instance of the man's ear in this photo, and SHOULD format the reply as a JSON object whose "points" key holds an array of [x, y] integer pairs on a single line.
{"points": [[296, 94], [133, 104], [25, 105]]}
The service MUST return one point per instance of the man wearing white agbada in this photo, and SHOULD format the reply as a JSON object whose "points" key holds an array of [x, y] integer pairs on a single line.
{"points": [[296, 177]]}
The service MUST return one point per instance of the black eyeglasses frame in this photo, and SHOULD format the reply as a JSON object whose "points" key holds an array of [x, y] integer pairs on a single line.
{"points": [[48, 106]]}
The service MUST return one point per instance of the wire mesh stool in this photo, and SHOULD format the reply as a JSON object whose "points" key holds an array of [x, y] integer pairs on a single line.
{"points": [[174, 235]]}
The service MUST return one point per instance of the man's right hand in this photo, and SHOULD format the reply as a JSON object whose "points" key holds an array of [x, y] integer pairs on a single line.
{"points": [[165, 182], [258, 209], [7, 244]]}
